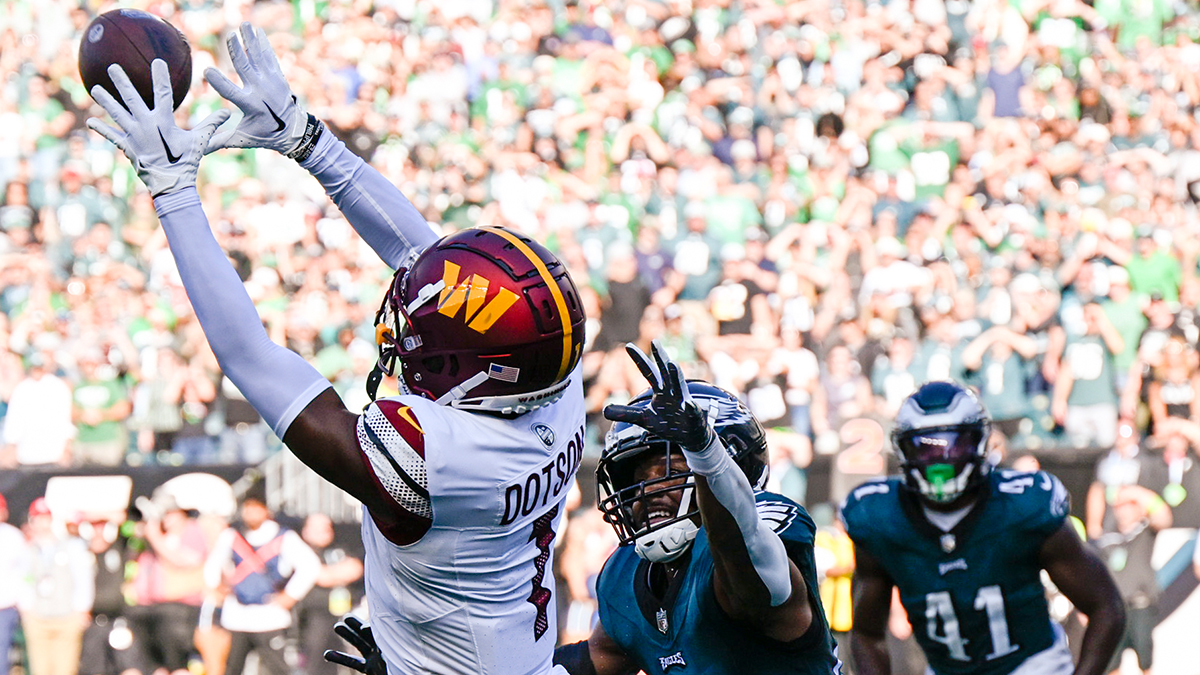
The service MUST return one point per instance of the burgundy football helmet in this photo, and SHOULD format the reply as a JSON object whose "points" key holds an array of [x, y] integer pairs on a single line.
{"points": [[484, 319]]}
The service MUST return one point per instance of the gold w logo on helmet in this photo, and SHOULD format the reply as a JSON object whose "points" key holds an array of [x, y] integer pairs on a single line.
{"points": [[472, 292]]}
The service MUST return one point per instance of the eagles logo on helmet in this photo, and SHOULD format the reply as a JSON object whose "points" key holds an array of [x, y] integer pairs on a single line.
{"points": [[941, 435], [626, 446], [484, 319]]}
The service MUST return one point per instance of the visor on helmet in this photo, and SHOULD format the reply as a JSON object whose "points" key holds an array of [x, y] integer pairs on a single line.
{"points": [[942, 463], [940, 445]]}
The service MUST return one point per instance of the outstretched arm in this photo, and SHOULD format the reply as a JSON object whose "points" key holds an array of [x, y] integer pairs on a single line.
{"points": [[273, 119], [1084, 579], [289, 393], [753, 578], [377, 210], [277, 381]]}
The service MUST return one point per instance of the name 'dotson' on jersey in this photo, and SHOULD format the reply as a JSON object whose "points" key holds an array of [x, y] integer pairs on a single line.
{"points": [[536, 490]]}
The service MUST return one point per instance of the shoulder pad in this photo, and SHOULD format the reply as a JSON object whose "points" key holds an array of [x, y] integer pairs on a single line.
{"points": [[867, 491], [391, 438], [857, 508], [777, 512], [1040, 496], [401, 419]]}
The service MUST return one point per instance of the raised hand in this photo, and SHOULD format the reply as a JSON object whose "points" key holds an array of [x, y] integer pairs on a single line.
{"points": [[166, 157], [359, 635], [671, 415], [272, 118]]}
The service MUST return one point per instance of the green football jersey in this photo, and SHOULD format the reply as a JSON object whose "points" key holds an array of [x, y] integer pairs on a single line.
{"points": [[974, 594], [691, 633]]}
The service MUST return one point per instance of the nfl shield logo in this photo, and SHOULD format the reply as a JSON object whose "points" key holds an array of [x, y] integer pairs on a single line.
{"points": [[663, 627], [948, 543]]}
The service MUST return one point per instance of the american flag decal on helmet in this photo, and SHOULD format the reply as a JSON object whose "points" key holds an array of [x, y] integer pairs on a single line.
{"points": [[505, 373]]}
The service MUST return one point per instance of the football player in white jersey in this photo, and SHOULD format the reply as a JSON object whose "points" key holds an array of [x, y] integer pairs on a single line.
{"points": [[462, 477]]}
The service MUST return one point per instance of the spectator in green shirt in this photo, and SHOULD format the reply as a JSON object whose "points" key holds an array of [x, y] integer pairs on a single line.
{"points": [[1124, 311], [996, 363], [1153, 269], [1143, 19], [101, 406], [729, 211], [1085, 393]]}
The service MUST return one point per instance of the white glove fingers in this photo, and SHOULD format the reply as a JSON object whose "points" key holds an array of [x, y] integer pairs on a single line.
{"points": [[643, 363], [114, 109], [241, 63], [261, 53], [160, 75], [225, 86], [207, 129], [110, 134], [250, 41], [129, 94]]}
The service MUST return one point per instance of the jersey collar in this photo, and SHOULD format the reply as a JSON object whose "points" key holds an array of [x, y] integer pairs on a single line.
{"points": [[948, 541]]}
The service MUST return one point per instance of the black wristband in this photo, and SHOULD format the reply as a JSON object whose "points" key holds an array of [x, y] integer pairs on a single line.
{"points": [[312, 134]]}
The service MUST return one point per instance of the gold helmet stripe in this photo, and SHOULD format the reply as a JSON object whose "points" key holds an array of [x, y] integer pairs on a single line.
{"points": [[555, 292]]}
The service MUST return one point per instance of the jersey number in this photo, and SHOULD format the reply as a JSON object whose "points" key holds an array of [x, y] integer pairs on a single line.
{"points": [[938, 607], [543, 537], [863, 454]]}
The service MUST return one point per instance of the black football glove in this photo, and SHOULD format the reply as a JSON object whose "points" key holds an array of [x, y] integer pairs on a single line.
{"points": [[359, 635], [671, 415]]}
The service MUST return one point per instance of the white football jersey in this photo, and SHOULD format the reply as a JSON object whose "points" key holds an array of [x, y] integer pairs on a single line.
{"points": [[482, 503]]}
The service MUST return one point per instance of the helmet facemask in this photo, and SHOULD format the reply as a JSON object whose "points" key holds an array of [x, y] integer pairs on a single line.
{"points": [[943, 463], [388, 322], [627, 501], [636, 508], [394, 336]]}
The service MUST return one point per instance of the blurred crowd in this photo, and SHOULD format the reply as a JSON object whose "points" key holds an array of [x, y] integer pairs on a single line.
{"points": [[164, 588], [819, 204]]}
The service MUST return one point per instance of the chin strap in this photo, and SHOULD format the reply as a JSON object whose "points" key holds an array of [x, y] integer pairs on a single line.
{"points": [[666, 544], [460, 390], [373, 380]]}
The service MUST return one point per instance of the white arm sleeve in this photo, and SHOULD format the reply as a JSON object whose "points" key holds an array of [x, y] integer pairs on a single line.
{"points": [[278, 382], [730, 486], [375, 208]]}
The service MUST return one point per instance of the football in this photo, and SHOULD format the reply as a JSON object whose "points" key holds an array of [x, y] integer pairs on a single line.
{"points": [[132, 39]]}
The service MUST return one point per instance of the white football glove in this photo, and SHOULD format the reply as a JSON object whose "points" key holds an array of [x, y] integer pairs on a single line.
{"points": [[165, 156], [272, 118]]}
